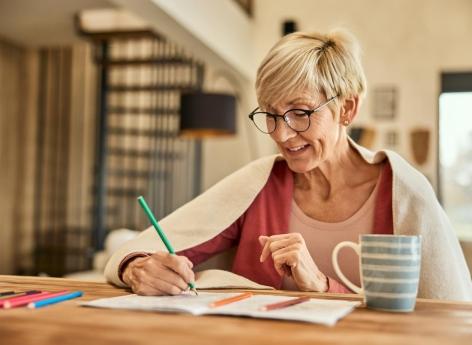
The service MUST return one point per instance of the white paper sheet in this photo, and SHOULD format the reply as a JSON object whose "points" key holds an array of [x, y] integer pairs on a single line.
{"points": [[322, 311]]}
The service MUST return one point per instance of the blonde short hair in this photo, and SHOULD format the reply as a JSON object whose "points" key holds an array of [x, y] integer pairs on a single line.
{"points": [[328, 64]]}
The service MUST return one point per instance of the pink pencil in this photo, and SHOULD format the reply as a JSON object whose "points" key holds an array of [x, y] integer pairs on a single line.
{"points": [[24, 300], [15, 298]]}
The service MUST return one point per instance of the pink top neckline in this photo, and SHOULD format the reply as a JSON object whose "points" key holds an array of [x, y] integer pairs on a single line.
{"points": [[368, 205]]}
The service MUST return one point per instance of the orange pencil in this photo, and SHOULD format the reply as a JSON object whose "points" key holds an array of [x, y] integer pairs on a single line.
{"points": [[284, 304], [229, 300]]}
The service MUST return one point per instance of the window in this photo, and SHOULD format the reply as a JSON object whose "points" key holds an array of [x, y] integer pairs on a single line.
{"points": [[455, 151]]}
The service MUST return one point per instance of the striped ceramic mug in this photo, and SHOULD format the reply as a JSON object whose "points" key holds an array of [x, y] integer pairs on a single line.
{"points": [[390, 270]]}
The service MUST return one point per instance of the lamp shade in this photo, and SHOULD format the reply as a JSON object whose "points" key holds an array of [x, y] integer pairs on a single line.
{"points": [[207, 114]]}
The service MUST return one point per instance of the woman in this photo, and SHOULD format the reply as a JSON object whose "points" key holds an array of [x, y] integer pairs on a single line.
{"points": [[284, 214]]}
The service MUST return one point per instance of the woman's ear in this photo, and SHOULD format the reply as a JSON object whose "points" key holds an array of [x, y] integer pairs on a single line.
{"points": [[349, 110]]}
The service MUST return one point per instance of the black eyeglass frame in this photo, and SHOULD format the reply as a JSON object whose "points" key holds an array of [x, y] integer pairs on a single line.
{"points": [[308, 113]]}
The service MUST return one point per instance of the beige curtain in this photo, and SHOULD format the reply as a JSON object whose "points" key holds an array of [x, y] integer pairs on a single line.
{"points": [[14, 129], [21, 85]]}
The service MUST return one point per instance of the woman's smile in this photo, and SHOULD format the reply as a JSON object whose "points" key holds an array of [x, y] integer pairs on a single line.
{"points": [[295, 151]]}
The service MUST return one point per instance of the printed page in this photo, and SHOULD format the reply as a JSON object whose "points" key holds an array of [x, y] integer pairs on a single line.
{"points": [[326, 312], [322, 311]]}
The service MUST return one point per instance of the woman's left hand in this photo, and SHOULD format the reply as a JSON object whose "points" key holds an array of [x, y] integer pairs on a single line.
{"points": [[292, 258]]}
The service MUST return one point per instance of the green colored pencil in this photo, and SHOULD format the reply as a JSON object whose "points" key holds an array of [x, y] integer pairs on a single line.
{"points": [[160, 232]]}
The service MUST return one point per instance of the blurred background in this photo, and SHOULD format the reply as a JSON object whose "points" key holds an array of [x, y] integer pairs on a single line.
{"points": [[92, 113]]}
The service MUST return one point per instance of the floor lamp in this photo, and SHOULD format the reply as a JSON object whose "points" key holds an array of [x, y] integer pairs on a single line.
{"points": [[204, 115]]}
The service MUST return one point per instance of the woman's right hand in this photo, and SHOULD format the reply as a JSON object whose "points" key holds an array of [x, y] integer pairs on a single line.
{"points": [[159, 274]]}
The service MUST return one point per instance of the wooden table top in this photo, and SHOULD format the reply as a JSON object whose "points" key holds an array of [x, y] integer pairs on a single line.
{"points": [[433, 322]]}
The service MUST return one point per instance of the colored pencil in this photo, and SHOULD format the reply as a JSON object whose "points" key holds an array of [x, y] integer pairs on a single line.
{"points": [[285, 304], [53, 300], [229, 300], [10, 295], [17, 295], [25, 300], [160, 232], [6, 293]]}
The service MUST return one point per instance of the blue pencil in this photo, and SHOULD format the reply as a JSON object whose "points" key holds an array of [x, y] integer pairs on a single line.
{"points": [[52, 300]]}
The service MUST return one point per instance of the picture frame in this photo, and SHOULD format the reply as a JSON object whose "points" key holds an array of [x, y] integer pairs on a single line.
{"points": [[384, 100], [391, 138]]}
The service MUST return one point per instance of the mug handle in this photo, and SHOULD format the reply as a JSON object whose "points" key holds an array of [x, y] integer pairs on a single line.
{"points": [[340, 274]]}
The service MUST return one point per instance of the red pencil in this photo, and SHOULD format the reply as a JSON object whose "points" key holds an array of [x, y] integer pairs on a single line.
{"points": [[24, 300], [284, 304]]}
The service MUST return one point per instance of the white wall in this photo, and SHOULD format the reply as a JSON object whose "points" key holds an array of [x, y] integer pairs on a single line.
{"points": [[219, 24], [216, 31], [406, 43]]}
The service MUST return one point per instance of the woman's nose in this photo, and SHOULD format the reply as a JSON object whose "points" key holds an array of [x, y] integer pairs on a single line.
{"points": [[282, 131]]}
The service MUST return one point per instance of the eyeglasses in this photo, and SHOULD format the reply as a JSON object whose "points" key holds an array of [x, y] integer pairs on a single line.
{"points": [[296, 119]]}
